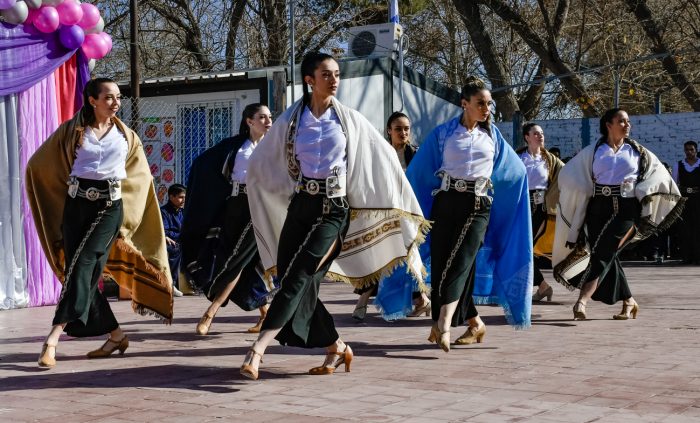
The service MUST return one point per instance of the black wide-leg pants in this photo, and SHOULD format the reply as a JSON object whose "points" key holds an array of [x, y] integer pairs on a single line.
{"points": [[307, 236], [460, 222], [89, 231]]}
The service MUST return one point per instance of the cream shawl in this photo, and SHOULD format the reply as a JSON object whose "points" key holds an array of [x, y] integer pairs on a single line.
{"points": [[138, 260], [386, 222], [656, 191]]}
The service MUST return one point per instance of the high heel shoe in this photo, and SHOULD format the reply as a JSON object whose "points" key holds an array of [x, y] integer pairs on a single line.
{"points": [[537, 296], [112, 346], [627, 311], [425, 308], [472, 335], [579, 311], [247, 368], [204, 324], [332, 363], [359, 313], [440, 338], [45, 359]]}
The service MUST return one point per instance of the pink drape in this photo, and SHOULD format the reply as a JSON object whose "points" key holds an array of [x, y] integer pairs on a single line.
{"points": [[38, 118]]}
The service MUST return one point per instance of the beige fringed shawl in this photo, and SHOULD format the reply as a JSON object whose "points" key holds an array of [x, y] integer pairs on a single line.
{"points": [[656, 191], [138, 260], [386, 224]]}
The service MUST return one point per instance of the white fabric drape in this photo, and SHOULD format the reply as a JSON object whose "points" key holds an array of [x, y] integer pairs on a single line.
{"points": [[13, 263]]}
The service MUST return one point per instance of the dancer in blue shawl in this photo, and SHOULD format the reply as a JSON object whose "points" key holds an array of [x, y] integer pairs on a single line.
{"points": [[480, 246]]}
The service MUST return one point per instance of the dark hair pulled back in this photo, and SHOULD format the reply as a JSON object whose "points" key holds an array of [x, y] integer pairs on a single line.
{"points": [[248, 113], [607, 118], [474, 85], [92, 89], [309, 65]]}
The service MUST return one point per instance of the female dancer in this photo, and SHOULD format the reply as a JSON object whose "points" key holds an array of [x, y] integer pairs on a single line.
{"points": [[398, 128], [350, 202], [616, 191], [457, 165], [218, 236], [108, 208], [542, 178]]}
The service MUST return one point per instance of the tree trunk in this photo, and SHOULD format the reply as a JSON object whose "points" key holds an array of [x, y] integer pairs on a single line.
{"points": [[234, 22]]}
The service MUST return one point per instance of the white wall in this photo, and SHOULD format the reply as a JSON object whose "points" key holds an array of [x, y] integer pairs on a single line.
{"points": [[663, 134]]}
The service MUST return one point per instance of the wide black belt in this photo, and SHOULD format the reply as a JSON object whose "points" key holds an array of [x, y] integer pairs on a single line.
{"points": [[312, 186], [690, 190], [607, 190], [461, 185], [95, 190]]}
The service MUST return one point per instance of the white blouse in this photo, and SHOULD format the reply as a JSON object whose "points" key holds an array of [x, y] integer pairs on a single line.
{"points": [[240, 165], [537, 172], [468, 154], [612, 168], [320, 144], [101, 159]]}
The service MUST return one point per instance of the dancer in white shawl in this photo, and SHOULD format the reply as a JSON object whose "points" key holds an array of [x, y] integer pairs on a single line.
{"points": [[327, 197], [612, 193]]}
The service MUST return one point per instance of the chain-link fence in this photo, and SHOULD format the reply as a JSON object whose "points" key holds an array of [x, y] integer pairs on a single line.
{"points": [[174, 134]]}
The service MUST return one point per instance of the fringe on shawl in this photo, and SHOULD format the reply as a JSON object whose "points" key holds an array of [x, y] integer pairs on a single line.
{"points": [[424, 226], [647, 228], [160, 276], [399, 315], [497, 299]]}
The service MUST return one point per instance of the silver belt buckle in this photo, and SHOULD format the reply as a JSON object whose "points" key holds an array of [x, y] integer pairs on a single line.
{"points": [[335, 186], [461, 185], [481, 186], [538, 197], [690, 190], [115, 190], [73, 187], [606, 191], [92, 194], [313, 187]]}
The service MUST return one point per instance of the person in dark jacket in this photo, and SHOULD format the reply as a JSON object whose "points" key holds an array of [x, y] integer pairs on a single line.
{"points": [[172, 222]]}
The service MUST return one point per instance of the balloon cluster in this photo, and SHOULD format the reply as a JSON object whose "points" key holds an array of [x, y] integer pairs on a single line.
{"points": [[79, 25]]}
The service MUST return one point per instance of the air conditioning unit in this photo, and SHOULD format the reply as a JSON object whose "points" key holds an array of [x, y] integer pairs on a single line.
{"points": [[372, 41]]}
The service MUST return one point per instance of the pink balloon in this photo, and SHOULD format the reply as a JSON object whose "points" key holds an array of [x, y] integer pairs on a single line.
{"points": [[91, 14], [108, 41], [47, 19], [32, 14], [95, 46], [69, 12]]}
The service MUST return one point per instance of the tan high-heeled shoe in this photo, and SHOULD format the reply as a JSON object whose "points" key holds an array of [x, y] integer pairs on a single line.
{"points": [[472, 335], [440, 338], [112, 346], [204, 324], [628, 310], [425, 308], [579, 311], [331, 363], [45, 359], [247, 368], [359, 313], [537, 296]]}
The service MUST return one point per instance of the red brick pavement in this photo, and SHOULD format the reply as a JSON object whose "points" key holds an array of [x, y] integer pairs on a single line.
{"points": [[558, 371]]}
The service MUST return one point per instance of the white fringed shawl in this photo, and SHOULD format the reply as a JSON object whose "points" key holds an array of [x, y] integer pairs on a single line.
{"points": [[656, 191], [386, 224]]}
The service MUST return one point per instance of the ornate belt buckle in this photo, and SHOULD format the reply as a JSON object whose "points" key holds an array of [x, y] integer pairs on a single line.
{"points": [[481, 186], [461, 185], [312, 187], [606, 191], [538, 197], [92, 194]]}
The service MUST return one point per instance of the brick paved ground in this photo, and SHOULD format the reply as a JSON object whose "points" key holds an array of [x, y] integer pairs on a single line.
{"points": [[558, 371]]}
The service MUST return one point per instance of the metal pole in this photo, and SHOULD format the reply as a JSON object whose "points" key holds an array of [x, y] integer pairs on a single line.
{"points": [[293, 50], [134, 58]]}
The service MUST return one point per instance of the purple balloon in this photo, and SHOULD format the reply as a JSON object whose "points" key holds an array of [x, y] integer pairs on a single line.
{"points": [[71, 37], [91, 14], [69, 12], [6, 4], [47, 19]]}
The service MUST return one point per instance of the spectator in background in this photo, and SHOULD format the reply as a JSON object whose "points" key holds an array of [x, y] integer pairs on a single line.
{"points": [[556, 152], [172, 222], [686, 173]]}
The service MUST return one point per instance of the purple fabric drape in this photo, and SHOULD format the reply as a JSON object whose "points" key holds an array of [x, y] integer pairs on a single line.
{"points": [[38, 119], [82, 76], [27, 56]]}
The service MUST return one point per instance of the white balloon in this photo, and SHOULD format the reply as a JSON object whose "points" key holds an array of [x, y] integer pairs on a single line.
{"points": [[99, 26], [91, 64], [16, 14], [33, 4]]}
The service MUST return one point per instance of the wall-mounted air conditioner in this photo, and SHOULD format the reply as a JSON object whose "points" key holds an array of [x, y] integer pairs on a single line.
{"points": [[372, 41]]}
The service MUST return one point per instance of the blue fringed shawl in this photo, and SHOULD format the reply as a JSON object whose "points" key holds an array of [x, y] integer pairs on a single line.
{"points": [[504, 263]]}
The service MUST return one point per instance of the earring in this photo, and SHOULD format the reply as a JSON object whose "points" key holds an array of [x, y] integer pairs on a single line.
{"points": [[94, 105]]}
